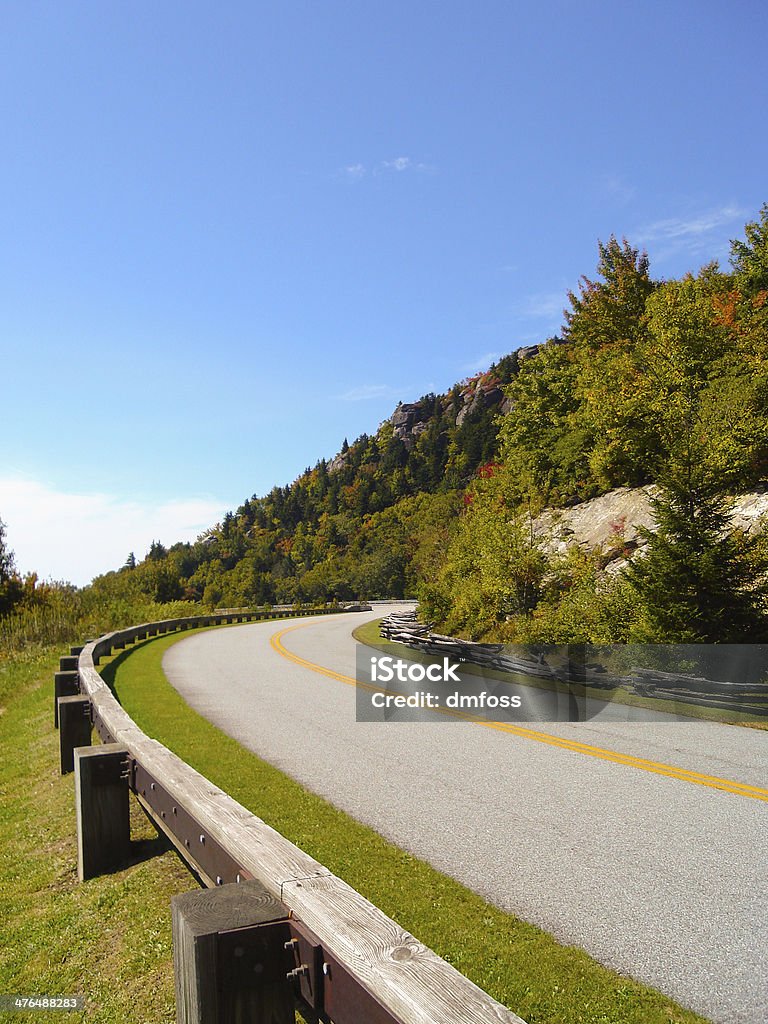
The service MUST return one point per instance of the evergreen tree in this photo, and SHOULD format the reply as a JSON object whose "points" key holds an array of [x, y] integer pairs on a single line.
{"points": [[698, 581], [157, 552]]}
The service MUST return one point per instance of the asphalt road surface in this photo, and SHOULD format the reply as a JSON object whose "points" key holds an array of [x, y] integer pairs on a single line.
{"points": [[579, 828]]}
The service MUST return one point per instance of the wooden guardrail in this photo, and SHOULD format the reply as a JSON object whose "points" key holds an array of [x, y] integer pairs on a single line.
{"points": [[749, 698], [278, 927]]}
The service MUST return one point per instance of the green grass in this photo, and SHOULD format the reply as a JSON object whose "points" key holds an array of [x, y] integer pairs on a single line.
{"points": [[108, 939], [518, 964], [368, 633]]}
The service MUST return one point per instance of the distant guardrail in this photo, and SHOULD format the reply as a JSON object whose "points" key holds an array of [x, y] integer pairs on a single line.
{"points": [[687, 688], [274, 928]]}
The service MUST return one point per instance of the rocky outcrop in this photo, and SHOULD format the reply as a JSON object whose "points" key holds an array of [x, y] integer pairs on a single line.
{"points": [[479, 392], [527, 352], [404, 419], [337, 463], [612, 522], [599, 523]]}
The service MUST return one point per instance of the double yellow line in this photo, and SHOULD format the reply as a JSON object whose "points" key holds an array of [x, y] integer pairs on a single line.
{"points": [[684, 774]]}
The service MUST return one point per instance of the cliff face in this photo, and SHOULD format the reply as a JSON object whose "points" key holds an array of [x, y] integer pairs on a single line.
{"points": [[482, 393], [408, 421], [611, 523]]}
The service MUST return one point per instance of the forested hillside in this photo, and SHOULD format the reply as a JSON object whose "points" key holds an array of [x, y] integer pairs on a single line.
{"points": [[360, 524], [649, 381]]}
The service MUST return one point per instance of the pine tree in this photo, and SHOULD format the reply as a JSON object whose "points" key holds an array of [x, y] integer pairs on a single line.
{"points": [[698, 581]]}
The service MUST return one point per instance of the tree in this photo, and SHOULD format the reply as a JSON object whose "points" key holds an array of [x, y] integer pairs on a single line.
{"points": [[697, 582], [157, 552], [494, 566], [11, 585], [7, 561], [542, 440], [610, 310], [749, 259]]}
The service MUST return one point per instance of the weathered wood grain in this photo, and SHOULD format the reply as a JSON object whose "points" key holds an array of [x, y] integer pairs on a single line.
{"points": [[101, 806], [65, 684], [223, 978], [406, 976], [74, 729]]}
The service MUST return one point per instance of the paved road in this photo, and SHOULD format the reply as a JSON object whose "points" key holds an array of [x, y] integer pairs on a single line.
{"points": [[660, 878]]}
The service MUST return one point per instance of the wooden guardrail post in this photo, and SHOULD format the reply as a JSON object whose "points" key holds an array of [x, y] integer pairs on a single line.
{"points": [[231, 958], [101, 805], [74, 729], [65, 684]]}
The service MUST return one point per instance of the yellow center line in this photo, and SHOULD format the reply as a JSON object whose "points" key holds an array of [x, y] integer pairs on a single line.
{"points": [[657, 768]]}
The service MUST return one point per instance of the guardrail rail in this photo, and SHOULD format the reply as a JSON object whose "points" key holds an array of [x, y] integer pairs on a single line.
{"points": [[273, 928]]}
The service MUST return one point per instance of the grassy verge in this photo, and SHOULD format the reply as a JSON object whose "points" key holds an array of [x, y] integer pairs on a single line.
{"points": [[108, 939], [368, 634], [521, 966]]}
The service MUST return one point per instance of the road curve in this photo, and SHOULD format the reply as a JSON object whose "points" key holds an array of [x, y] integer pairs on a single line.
{"points": [[660, 877]]}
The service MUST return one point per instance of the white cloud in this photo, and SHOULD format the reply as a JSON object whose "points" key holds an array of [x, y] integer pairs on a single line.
{"points": [[481, 363], [74, 536], [405, 163], [357, 171], [616, 189], [692, 226], [694, 234], [400, 163], [365, 392], [544, 305]]}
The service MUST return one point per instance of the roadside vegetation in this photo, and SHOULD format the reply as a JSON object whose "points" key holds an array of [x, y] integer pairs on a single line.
{"points": [[109, 939]]}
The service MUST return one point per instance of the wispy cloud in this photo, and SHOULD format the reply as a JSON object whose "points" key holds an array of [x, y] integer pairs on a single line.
{"points": [[543, 305], [366, 392], [71, 536], [481, 363], [693, 234], [400, 163], [354, 172], [406, 163], [616, 189], [397, 165]]}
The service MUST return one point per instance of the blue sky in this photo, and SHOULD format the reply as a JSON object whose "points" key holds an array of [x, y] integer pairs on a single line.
{"points": [[236, 233]]}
